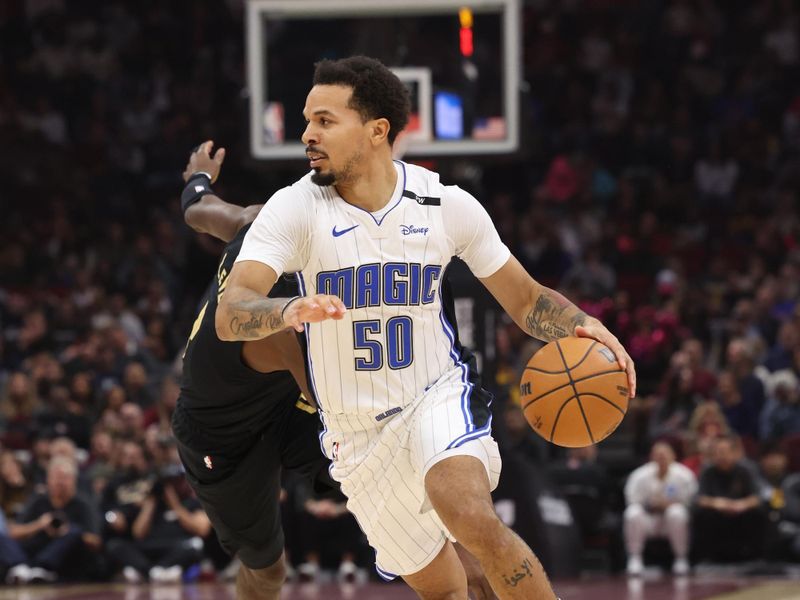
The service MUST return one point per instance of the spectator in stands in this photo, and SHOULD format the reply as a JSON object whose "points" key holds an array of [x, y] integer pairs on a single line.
{"points": [[727, 523], [773, 470], [741, 365], [791, 513], [132, 421], [781, 355], [715, 176], [677, 400], [64, 446], [126, 491], [592, 497], [590, 279], [160, 413], [706, 424], [137, 385], [15, 488], [703, 379], [57, 531], [741, 413], [327, 534], [781, 416], [658, 496], [36, 469], [100, 468], [166, 533], [516, 435], [18, 407]]}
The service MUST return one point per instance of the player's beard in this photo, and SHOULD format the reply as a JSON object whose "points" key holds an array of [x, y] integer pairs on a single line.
{"points": [[323, 179], [344, 175]]}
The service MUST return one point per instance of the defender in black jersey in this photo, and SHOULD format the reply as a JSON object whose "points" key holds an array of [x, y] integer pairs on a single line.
{"points": [[242, 417], [245, 413]]}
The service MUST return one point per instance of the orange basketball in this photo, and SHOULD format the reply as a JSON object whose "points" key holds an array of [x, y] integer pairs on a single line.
{"points": [[573, 392]]}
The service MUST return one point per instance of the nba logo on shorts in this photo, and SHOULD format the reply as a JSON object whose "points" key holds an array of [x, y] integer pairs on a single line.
{"points": [[335, 451], [207, 460]]}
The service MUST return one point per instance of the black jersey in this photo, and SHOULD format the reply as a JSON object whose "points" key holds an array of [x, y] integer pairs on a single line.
{"points": [[223, 401]]}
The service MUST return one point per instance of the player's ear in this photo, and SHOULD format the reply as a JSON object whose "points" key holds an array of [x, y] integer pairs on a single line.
{"points": [[379, 130]]}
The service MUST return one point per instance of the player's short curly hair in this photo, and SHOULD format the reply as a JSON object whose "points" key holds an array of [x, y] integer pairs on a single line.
{"points": [[377, 92]]}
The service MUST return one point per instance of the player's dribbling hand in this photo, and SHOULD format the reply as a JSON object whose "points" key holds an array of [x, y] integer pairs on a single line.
{"points": [[313, 309], [596, 330], [202, 160]]}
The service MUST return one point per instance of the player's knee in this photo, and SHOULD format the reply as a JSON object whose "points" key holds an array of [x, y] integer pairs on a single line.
{"points": [[476, 526], [634, 513], [458, 512], [677, 513]]}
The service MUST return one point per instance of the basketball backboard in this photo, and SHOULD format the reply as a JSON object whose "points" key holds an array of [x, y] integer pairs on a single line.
{"points": [[465, 99]]}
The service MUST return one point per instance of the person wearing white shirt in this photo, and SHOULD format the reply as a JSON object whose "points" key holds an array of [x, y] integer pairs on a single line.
{"points": [[657, 496]]}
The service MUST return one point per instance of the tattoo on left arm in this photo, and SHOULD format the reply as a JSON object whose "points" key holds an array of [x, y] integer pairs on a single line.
{"points": [[251, 327], [553, 317]]}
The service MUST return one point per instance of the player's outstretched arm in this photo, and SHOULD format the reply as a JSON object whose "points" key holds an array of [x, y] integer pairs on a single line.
{"points": [[547, 315], [208, 213], [218, 218], [245, 313]]}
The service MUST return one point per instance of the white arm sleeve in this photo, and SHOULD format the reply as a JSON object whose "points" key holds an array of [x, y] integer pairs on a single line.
{"points": [[473, 233], [280, 235]]}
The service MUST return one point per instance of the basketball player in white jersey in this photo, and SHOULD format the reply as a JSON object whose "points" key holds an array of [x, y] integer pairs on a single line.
{"points": [[406, 423]]}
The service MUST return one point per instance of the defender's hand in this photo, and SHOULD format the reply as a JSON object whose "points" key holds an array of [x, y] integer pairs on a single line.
{"points": [[596, 330], [313, 309], [202, 160]]}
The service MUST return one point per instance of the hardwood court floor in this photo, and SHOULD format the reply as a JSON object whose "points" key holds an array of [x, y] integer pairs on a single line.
{"points": [[698, 588]]}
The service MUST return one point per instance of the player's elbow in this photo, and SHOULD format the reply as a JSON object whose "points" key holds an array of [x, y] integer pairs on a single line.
{"points": [[193, 219]]}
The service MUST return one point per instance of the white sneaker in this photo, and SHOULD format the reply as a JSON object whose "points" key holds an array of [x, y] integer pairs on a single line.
{"points": [[635, 565], [347, 571], [40, 575], [680, 567], [308, 571], [131, 575], [18, 575], [166, 574], [172, 574]]}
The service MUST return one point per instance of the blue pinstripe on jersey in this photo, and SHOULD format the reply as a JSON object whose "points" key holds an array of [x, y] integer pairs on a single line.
{"points": [[307, 327]]}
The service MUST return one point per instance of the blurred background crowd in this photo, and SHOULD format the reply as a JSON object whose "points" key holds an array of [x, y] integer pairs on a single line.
{"points": [[657, 187]]}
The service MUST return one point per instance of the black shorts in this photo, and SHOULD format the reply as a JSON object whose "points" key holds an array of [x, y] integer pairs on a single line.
{"points": [[239, 489]]}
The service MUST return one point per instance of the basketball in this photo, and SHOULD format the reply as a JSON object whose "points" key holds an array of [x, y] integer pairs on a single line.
{"points": [[573, 392]]}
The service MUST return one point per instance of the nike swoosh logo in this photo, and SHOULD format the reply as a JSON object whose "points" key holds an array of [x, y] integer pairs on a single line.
{"points": [[343, 231]]}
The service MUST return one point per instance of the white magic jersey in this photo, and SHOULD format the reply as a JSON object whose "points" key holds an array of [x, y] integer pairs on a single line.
{"points": [[395, 340]]}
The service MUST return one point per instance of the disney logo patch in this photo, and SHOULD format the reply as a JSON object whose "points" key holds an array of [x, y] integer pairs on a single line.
{"points": [[410, 230]]}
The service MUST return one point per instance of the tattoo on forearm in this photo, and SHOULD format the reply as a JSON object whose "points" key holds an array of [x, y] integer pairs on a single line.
{"points": [[255, 320], [520, 573], [553, 317]]}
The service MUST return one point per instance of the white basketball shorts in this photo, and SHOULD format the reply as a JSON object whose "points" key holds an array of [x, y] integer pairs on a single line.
{"points": [[381, 461]]}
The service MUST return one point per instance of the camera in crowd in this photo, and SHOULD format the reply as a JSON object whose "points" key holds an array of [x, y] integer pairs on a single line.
{"points": [[59, 519], [169, 475]]}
